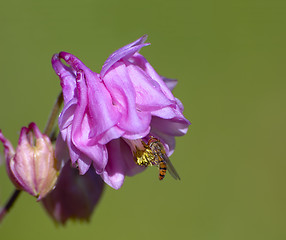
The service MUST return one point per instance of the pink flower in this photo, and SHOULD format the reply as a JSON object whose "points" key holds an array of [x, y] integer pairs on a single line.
{"points": [[75, 196], [106, 115], [32, 167]]}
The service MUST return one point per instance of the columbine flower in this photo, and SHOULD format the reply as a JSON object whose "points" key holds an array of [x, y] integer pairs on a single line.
{"points": [[106, 115], [75, 196], [32, 167]]}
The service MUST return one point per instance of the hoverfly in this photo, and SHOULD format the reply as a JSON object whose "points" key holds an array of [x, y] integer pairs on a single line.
{"points": [[162, 159], [155, 154]]}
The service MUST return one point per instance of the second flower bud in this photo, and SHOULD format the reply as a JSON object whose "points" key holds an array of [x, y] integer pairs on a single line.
{"points": [[33, 167]]}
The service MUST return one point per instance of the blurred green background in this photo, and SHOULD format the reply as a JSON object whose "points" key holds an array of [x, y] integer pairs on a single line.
{"points": [[229, 57]]}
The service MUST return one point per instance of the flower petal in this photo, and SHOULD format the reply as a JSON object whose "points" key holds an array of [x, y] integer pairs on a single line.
{"points": [[61, 152], [171, 83], [139, 60], [120, 86], [113, 133], [103, 114], [120, 163], [8, 148], [172, 127], [9, 155], [67, 115], [123, 52], [67, 77], [83, 163], [149, 96]]}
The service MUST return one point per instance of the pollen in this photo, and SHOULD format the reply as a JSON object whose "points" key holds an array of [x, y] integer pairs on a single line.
{"points": [[142, 153], [144, 157]]}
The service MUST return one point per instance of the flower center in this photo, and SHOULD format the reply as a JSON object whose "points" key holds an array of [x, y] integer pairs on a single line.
{"points": [[142, 154]]}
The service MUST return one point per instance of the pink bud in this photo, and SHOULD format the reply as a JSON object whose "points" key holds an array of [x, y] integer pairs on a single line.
{"points": [[75, 196], [32, 167]]}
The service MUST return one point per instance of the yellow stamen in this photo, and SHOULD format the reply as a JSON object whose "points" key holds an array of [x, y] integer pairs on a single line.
{"points": [[142, 154]]}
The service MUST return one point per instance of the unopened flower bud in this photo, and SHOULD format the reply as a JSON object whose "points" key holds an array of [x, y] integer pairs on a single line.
{"points": [[32, 167], [75, 196]]}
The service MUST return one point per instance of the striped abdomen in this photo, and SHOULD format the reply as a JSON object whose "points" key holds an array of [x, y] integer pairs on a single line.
{"points": [[162, 169]]}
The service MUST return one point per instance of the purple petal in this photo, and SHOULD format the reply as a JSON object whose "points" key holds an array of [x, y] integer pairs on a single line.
{"points": [[171, 83], [172, 127], [120, 86], [88, 150], [149, 96], [9, 155], [67, 115], [120, 163], [131, 168], [112, 133], [83, 163], [67, 77], [75, 64], [73, 151], [139, 60], [80, 131], [180, 104], [124, 52], [61, 151], [171, 113], [8, 148], [130, 135], [103, 114]]}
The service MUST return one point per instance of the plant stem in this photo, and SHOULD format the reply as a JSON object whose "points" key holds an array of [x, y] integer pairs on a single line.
{"points": [[54, 114], [9, 204], [48, 131]]}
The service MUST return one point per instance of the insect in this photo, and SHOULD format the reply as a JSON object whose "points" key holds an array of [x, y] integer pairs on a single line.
{"points": [[155, 154], [162, 159]]}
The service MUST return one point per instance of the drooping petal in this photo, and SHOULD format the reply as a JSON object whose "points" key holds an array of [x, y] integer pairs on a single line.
{"points": [[67, 115], [131, 168], [81, 130], [112, 175], [74, 152], [75, 64], [120, 163], [67, 76], [83, 163], [103, 114], [96, 97]]}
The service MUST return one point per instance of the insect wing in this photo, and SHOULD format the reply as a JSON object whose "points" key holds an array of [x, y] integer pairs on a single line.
{"points": [[171, 168]]}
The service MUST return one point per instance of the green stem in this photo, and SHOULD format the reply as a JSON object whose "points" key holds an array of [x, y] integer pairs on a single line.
{"points": [[54, 114], [9, 203]]}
